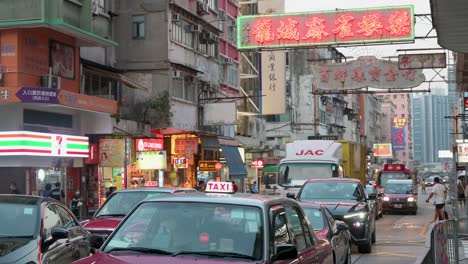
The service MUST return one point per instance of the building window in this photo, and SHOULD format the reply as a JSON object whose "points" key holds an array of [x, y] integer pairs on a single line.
{"points": [[98, 6], [231, 31], [181, 33], [273, 118], [184, 88], [222, 73], [138, 27], [323, 117], [402, 115], [233, 75], [213, 4], [403, 106], [99, 85]]}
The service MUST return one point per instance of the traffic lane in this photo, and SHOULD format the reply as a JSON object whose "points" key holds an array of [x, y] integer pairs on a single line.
{"points": [[400, 238]]}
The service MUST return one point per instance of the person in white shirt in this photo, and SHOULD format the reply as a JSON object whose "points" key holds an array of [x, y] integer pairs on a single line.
{"points": [[438, 192]]}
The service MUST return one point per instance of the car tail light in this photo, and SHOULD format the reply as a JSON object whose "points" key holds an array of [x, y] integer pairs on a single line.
{"points": [[39, 251], [322, 233]]}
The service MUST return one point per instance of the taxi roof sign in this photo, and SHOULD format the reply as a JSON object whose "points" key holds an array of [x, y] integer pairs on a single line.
{"points": [[219, 187]]}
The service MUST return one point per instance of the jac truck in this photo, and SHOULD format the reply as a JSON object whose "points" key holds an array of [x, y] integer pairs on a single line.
{"points": [[316, 159]]}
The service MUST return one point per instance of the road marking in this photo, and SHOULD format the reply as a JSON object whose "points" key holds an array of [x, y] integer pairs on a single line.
{"points": [[392, 255], [424, 230]]}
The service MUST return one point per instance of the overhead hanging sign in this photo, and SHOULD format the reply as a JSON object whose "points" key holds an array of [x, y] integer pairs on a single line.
{"points": [[398, 139], [366, 71], [335, 27], [151, 160], [462, 153], [422, 61], [149, 144]]}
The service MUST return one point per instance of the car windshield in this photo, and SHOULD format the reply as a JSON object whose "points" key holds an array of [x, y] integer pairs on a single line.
{"points": [[296, 174], [191, 228], [399, 188], [121, 203], [18, 220], [315, 217], [386, 176], [330, 190]]}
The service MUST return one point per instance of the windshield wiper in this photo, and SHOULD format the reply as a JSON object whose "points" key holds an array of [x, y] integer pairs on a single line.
{"points": [[215, 254], [141, 249], [111, 215]]}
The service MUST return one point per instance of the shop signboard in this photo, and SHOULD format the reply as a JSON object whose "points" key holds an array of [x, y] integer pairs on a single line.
{"points": [[465, 101], [112, 152], [93, 157], [180, 163], [325, 28], [209, 165], [258, 163], [422, 61], [151, 160], [186, 146], [43, 144], [462, 153], [399, 122], [382, 150], [149, 144], [398, 139]]}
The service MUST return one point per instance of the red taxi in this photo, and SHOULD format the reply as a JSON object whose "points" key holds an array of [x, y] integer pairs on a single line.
{"points": [[209, 227], [119, 203]]}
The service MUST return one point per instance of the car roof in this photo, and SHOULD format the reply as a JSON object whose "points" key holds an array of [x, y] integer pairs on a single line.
{"points": [[222, 198], [22, 199], [399, 181], [334, 180], [155, 189], [310, 204]]}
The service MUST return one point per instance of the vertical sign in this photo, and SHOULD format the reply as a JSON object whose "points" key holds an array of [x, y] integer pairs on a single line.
{"points": [[465, 102], [273, 71], [398, 138]]}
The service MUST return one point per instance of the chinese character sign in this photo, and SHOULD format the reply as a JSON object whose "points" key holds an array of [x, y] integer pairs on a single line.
{"points": [[422, 61], [398, 139], [366, 71], [353, 26], [462, 153], [399, 122]]}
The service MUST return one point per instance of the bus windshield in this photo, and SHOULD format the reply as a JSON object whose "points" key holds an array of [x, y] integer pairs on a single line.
{"points": [[385, 176], [295, 174]]}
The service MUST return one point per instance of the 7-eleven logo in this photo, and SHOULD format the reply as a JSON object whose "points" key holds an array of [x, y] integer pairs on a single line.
{"points": [[58, 145]]}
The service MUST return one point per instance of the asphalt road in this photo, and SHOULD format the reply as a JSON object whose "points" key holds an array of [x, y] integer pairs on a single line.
{"points": [[400, 238]]}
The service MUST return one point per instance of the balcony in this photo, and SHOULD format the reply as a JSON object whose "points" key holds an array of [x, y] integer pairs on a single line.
{"points": [[71, 17]]}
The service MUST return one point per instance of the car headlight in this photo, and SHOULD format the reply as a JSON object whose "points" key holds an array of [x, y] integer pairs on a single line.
{"points": [[386, 198], [360, 215], [411, 199]]}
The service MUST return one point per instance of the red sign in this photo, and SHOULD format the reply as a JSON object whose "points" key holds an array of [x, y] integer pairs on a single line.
{"points": [[151, 184], [180, 163], [353, 26], [466, 103], [310, 152], [186, 147], [257, 163], [149, 144], [93, 154]]}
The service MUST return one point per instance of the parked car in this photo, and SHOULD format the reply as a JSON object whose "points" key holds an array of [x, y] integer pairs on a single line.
{"points": [[39, 230], [335, 231], [401, 196], [347, 201], [214, 228], [378, 202], [119, 203]]}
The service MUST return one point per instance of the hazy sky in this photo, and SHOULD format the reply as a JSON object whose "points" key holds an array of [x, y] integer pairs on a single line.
{"points": [[421, 29]]}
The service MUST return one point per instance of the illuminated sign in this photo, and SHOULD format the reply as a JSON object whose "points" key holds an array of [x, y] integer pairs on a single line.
{"points": [[43, 144], [219, 187], [399, 122], [151, 160], [466, 103], [422, 61], [462, 153], [257, 163], [149, 144], [180, 163], [335, 27], [398, 139], [209, 165], [394, 167], [382, 150], [366, 71]]}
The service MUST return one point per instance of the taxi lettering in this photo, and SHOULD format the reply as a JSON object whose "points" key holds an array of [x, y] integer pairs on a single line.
{"points": [[219, 187], [309, 152]]}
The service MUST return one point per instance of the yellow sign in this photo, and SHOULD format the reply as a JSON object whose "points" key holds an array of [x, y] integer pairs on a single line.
{"points": [[151, 160], [399, 122], [209, 165]]}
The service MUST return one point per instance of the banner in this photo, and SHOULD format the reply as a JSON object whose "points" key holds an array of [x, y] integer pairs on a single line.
{"points": [[382, 150], [112, 152], [151, 160], [398, 139]]}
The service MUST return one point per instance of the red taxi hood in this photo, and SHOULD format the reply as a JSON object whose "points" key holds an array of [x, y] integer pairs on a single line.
{"points": [[102, 225], [103, 258]]}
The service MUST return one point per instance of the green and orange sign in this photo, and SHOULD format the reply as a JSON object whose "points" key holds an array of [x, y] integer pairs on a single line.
{"points": [[336, 27], [26, 143]]}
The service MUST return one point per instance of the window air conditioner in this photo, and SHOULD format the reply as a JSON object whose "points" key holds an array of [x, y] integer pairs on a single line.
{"points": [[177, 74], [175, 17], [196, 28], [54, 81]]}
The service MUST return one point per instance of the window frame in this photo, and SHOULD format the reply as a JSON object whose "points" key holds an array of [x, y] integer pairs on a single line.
{"points": [[135, 34]]}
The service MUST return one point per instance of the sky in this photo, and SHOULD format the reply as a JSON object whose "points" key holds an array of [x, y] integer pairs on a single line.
{"points": [[421, 29]]}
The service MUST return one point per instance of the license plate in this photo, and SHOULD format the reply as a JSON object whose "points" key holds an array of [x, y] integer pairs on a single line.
{"points": [[398, 206]]}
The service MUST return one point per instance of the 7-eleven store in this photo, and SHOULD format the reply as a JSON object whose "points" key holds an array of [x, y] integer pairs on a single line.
{"points": [[32, 160]]}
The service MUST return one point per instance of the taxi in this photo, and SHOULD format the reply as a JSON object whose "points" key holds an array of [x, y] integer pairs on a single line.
{"points": [[217, 226]]}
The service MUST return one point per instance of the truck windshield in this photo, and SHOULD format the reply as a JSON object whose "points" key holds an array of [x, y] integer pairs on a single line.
{"points": [[296, 174]]}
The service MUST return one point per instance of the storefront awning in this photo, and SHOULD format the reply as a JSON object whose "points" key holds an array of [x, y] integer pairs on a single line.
{"points": [[234, 162]]}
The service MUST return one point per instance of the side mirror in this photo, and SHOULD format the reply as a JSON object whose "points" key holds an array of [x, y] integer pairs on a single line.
{"points": [[341, 226], [284, 252], [291, 195], [372, 196], [56, 234], [96, 241]]}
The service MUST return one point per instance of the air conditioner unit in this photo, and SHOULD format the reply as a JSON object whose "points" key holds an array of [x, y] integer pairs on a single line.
{"points": [[175, 17], [231, 23], [54, 81], [196, 28], [202, 7], [222, 14], [176, 74]]}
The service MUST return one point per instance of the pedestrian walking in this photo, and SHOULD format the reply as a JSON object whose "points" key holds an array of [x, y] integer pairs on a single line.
{"points": [[76, 203], [48, 190], [438, 192], [13, 188], [461, 186], [57, 193], [254, 187], [423, 186]]}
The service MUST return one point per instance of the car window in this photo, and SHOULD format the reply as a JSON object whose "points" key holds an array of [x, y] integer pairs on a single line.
{"points": [[281, 235], [315, 217], [51, 219], [297, 228], [307, 229], [323, 190], [121, 203], [191, 226], [18, 220], [330, 220], [67, 218]]}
